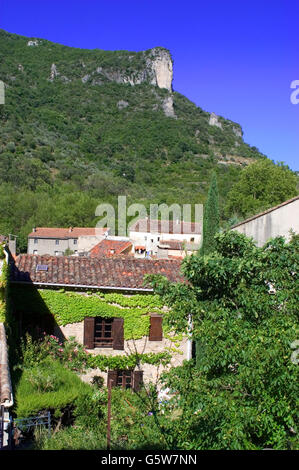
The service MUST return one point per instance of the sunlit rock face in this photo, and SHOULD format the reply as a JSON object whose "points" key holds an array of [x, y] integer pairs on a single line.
{"points": [[158, 70], [213, 121], [162, 69]]}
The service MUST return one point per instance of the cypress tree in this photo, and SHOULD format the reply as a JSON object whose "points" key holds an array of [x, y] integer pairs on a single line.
{"points": [[211, 224], [211, 218]]}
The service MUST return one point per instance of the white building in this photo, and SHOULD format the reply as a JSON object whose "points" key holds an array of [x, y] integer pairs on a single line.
{"points": [[152, 237]]}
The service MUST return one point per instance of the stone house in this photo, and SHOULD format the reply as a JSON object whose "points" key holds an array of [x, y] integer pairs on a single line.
{"points": [[274, 222], [55, 241], [157, 237], [104, 304]]}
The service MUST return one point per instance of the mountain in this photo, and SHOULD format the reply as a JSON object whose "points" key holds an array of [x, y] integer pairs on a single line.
{"points": [[80, 127]]}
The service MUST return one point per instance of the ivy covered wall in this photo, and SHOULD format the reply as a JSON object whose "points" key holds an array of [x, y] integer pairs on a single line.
{"points": [[71, 307]]}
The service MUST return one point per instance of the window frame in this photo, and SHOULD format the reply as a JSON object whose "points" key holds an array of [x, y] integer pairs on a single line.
{"points": [[104, 324]]}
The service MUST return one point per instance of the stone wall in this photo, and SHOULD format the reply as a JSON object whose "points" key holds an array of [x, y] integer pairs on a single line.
{"points": [[143, 345]]}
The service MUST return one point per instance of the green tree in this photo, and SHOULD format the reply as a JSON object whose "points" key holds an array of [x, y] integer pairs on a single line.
{"points": [[242, 393], [261, 185], [211, 218]]}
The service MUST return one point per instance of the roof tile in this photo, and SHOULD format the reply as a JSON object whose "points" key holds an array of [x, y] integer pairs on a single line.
{"points": [[120, 272]]}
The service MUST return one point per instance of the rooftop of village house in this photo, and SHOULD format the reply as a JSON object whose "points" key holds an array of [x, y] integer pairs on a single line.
{"points": [[71, 232], [166, 226], [107, 273]]}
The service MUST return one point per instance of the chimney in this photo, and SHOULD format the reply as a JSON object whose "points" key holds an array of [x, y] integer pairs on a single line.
{"points": [[34, 229], [12, 245], [70, 229]]}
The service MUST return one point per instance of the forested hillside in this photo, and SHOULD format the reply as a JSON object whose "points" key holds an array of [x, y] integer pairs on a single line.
{"points": [[80, 127]]}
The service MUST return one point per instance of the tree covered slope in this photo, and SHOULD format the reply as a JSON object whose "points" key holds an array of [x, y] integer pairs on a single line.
{"points": [[80, 127]]}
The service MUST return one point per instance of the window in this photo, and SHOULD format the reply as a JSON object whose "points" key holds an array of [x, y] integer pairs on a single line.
{"points": [[156, 333], [103, 333], [125, 378], [56, 242], [192, 239], [100, 332], [35, 241], [35, 252], [42, 267], [75, 241]]}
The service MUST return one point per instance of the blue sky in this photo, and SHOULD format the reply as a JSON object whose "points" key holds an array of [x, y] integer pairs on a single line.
{"points": [[235, 58]]}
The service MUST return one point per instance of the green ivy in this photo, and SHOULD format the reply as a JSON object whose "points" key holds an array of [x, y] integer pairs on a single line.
{"points": [[3, 284], [70, 307], [105, 363]]}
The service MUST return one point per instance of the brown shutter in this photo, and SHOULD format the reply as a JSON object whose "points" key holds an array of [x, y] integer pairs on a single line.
{"points": [[118, 333], [137, 380], [155, 333], [89, 332], [112, 375]]}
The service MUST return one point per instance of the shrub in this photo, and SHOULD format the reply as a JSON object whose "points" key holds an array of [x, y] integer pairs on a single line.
{"points": [[52, 388]]}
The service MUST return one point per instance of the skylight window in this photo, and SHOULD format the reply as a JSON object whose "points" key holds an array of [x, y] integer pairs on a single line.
{"points": [[42, 267]]}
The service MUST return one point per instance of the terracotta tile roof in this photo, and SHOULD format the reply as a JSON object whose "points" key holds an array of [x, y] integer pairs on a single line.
{"points": [[6, 398], [289, 201], [110, 248], [165, 226], [71, 232], [118, 272]]}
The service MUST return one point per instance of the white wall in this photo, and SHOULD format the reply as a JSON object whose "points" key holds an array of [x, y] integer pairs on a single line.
{"points": [[277, 222], [144, 238]]}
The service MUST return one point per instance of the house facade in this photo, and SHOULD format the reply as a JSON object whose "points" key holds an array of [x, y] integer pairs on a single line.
{"points": [[162, 237], [276, 221], [104, 304], [55, 241]]}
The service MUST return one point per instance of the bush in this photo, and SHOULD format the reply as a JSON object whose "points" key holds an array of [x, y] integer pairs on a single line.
{"points": [[48, 386]]}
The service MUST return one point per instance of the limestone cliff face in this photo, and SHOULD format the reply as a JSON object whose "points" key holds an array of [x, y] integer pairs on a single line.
{"points": [[213, 121], [161, 67], [155, 67]]}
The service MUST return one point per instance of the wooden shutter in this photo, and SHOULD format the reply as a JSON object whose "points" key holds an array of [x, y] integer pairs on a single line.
{"points": [[155, 333], [112, 375], [89, 332], [137, 380], [118, 333]]}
